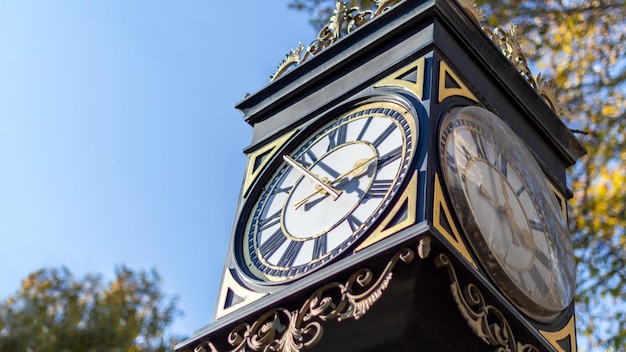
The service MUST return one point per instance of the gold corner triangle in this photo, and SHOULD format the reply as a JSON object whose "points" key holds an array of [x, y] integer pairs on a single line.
{"points": [[446, 92], [388, 227], [396, 79], [231, 286], [560, 198], [454, 238], [258, 159], [554, 337]]}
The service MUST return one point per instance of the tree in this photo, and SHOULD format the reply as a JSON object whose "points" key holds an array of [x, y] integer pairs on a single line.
{"points": [[581, 44], [53, 312]]}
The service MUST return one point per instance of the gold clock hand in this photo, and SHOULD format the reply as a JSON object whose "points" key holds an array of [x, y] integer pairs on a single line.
{"points": [[516, 231], [505, 193], [490, 198], [526, 237], [313, 177], [357, 169]]}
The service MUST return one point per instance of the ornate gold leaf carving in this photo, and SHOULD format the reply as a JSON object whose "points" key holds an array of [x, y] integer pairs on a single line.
{"points": [[485, 320], [343, 21], [205, 347], [291, 59], [478, 15], [283, 330], [508, 42], [547, 90]]}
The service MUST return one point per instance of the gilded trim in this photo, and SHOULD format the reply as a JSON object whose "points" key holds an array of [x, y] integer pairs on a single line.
{"points": [[454, 238], [397, 79], [258, 159], [472, 9], [260, 267], [508, 43], [231, 287], [408, 201], [561, 199], [283, 330], [567, 333], [485, 320], [446, 92], [343, 21]]}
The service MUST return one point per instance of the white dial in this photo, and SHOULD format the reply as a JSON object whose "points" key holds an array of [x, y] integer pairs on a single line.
{"points": [[508, 211], [329, 191]]}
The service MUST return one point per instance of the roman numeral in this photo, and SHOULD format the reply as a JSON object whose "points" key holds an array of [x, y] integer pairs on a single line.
{"points": [[278, 190], [542, 258], [384, 135], [269, 221], [466, 153], [535, 225], [354, 222], [520, 191], [389, 157], [290, 254], [451, 162], [364, 129], [319, 247], [269, 247], [379, 189], [337, 136], [539, 280], [501, 164], [308, 158], [480, 146]]}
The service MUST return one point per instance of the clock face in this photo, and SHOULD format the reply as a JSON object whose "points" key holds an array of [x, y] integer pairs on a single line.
{"points": [[508, 211], [328, 192]]}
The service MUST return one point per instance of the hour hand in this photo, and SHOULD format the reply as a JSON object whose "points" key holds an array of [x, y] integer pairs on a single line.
{"points": [[522, 234], [486, 194], [313, 177], [357, 170]]}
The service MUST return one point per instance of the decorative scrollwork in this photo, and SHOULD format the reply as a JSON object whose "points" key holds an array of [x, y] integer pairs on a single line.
{"points": [[343, 21], [478, 15], [508, 43], [283, 330], [485, 320]]}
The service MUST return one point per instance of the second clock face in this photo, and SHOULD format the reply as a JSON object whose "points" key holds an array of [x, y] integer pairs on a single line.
{"points": [[508, 211], [328, 192]]}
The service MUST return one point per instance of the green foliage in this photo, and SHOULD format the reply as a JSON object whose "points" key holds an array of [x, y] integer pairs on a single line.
{"points": [[581, 44], [53, 312]]}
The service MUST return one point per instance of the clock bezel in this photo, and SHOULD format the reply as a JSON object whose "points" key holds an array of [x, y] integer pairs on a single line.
{"points": [[480, 245], [302, 136]]}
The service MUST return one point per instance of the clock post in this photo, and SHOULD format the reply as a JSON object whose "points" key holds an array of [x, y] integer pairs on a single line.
{"points": [[405, 190]]}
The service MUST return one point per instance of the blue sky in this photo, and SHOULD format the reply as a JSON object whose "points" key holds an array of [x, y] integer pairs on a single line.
{"points": [[119, 143]]}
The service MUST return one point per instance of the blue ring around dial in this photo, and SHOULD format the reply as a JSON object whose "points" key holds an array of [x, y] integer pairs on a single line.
{"points": [[272, 253]]}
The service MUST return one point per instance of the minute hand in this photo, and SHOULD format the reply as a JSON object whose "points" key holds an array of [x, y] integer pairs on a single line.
{"points": [[333, 192], [359, 165]]}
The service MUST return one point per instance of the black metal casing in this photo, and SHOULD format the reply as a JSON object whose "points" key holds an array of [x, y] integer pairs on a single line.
{"points": [[429, 56]]}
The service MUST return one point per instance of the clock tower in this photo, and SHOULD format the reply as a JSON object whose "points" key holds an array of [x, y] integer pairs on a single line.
{"points": [[405, 190]]}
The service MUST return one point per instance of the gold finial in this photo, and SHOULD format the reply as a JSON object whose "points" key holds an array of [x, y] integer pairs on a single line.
{"points": [[508, 43], [547, 90], [478, 15], [343, 21], [346, 19], [291, 59]]}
